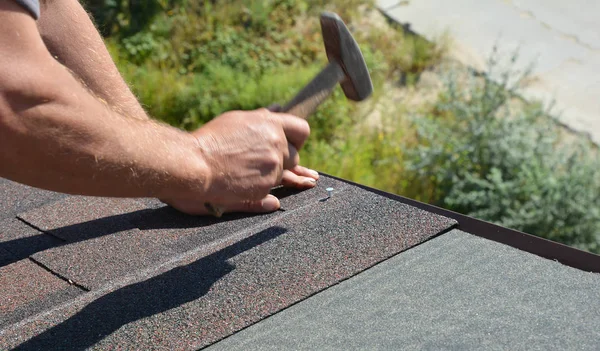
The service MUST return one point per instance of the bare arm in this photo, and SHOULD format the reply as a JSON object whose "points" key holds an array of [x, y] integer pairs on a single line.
{"points": [[55, 135], [73, 40]]}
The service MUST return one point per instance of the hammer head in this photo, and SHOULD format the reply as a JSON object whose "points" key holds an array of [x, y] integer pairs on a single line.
{"points": [[342, 49]]}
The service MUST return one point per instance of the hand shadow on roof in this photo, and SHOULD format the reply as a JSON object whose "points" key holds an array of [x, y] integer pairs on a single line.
{"points": [[168, 290], [157, 218]]}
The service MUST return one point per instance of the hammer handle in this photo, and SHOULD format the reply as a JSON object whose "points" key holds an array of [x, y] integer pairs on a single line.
{"points": [[315, 92]]}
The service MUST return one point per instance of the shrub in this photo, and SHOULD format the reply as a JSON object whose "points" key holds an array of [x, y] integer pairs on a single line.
{"points": [[508, 166]]}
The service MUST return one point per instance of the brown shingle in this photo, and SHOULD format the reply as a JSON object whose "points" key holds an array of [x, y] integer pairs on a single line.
{"points": [[17, 198], [76, 218], [226, 275], [27, 289], [22, 240]]}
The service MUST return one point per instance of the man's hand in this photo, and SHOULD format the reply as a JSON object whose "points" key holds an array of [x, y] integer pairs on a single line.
{"points": [[247, 154], [55, 135]]}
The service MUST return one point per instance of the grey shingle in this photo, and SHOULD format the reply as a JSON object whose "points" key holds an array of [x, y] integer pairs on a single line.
{"points": [[455, 292]]}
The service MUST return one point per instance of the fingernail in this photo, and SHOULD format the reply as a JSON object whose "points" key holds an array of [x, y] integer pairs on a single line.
{"points": [[310, 182], [270, 204], [313, 172]]}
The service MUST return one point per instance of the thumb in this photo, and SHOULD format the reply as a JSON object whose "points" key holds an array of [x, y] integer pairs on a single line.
{"points": [[198, 208], [268, 204]]}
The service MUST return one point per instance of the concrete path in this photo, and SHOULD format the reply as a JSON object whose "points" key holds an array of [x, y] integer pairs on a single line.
{"points": [[562, 37]]}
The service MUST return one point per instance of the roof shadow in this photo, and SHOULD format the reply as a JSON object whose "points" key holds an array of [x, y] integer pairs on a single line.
{"points": [[169, 218], [158, 218], [158, 294], [283, 192]]}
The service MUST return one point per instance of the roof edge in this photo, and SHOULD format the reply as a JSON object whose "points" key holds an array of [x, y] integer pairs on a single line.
{"points": [[536, 245]]}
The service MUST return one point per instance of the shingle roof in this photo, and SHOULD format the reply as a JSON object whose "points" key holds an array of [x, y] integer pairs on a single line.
{"points": [[17, 198], [454, 292], [97, 272]]}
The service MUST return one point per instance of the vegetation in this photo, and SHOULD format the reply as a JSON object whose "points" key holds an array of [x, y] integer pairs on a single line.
{"points": [[506, 165], [189, 61]]}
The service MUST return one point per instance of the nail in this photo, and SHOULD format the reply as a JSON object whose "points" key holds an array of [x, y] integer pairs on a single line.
{"points": [[329, 191], [313, 173]]}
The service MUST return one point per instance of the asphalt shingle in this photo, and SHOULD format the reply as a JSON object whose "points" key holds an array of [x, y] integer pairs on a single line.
{"points": [[225, 275], [454, 292], [28, 289], [6, 257], [77, 218], [22, 240], [17, 198], [94, 262]]}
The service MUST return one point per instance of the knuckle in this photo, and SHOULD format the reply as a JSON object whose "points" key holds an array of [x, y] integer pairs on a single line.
{"points": [[274, 140], [273, 137], [260, 191], [260, 116], [272, 161], [230, 115]]}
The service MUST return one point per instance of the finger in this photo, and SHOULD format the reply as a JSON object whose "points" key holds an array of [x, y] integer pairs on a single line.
{"points": [[305, 172], [296, 129], [193, 207], [269, 204], [290, 179], [292, 158], [199, 208]]}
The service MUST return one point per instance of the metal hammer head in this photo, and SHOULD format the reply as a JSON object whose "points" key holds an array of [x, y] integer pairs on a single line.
{"points": [[342, 49]]}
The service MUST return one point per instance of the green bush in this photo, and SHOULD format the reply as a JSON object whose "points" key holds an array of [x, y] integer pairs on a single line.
{"points": [[507, 166], [125, 17], [196, 61]]}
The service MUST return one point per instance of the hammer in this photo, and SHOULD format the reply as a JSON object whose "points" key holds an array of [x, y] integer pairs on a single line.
{"points": [[346, 66]]}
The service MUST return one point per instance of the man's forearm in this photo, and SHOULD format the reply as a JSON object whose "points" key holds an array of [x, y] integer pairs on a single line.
{"points": [[49, 145], [55, 135], [70, 142], [73, 40]]}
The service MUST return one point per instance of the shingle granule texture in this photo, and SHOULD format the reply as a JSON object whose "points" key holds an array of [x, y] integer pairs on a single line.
{"points": [[28, 289], [95, 262], [16, 198], [22, 241], [6, 257], [454, 292], [211, 277], [77, 218]]}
